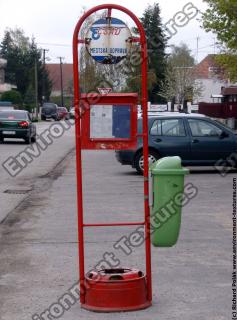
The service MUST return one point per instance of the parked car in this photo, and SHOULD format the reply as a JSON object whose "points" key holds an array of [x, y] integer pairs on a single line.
{"points": [[72, 113], [17, 124], [50, 111], [63, 113], [197, 139]]}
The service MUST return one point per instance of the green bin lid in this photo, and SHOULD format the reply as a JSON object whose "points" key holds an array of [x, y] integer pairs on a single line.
{"points": [[168, 165]]}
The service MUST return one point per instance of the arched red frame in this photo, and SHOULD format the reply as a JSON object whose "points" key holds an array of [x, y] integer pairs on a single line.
{"points": [[77, 94]]}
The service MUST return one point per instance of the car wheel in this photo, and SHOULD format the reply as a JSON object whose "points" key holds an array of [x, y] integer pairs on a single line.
{"points": [[1, 140], [139, 161], [33, 139], [43, 118]]}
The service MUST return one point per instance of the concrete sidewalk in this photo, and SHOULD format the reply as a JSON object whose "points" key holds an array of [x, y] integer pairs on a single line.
{"points": [[38, 250]]}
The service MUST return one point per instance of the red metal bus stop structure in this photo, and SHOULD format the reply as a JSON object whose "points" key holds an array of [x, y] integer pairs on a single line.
{"points": [[132, 291]]}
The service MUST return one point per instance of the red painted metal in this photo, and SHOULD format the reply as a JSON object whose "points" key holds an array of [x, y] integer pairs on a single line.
{"points": [[130, 99], [114, 224], [109, 12], [136, 40], [146, 286], [111, 290]]}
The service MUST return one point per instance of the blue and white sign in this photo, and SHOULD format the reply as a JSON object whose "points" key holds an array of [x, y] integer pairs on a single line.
{"points": [[108, 40]]}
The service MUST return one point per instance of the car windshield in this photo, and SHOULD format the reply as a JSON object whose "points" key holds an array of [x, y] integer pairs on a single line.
{"points": [[11, 115], [49, 107]]}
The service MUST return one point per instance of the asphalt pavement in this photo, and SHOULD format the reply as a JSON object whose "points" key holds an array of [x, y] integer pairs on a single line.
{"points": [[53, 149], [39, 249]]}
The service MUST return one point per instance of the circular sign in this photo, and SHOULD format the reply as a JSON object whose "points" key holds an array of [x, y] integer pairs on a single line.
{"points": [[108, 40]]}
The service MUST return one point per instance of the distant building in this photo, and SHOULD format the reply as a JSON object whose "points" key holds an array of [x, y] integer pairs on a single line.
{"points": [[206, 73], [3, 64], [225, 109], [55, 76], [211, 78], [4, 86], [229, 94]]}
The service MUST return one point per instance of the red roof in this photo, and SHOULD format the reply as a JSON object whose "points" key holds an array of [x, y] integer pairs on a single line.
{"points": [[54, 75], [208, 68]]}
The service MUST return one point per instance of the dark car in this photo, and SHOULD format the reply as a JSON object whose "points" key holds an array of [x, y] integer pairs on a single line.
{"points": [[50, 111], [197, 139], [63, 113], [17, 124]]}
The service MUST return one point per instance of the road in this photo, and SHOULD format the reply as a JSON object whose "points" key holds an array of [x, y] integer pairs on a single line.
{"points": [[39, 167], [38, 249]]}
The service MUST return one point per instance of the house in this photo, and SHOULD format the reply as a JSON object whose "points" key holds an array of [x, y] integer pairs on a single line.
{"points": [[55, 76], [210, 77], [4, 86], [226, 110]]}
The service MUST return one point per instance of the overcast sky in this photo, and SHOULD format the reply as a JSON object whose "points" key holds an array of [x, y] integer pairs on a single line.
{"points": [[52, 22]]}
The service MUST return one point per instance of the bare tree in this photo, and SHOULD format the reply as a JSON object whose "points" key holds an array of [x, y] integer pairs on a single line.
{"points": [[180, 82]]}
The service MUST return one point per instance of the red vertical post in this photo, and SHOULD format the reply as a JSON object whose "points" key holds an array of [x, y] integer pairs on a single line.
{"points": [[79, 168], [146, 164], [109, 12], [146, 200]]}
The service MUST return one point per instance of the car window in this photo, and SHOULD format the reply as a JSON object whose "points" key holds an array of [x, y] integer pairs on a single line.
{"points": [[168, 127], [156, 128], [201, 128], [11, 115], [49, 107], [224, 126]]}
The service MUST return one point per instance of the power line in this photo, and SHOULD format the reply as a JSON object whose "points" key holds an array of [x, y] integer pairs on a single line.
{"points": [[54, 44]]}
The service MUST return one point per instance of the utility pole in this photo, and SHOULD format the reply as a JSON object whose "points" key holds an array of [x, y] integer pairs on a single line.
{"points": [[36, 89], [43, 78], [198, 38], [61, 80]]}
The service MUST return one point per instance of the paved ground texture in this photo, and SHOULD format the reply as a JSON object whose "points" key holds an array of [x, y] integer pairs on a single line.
{"points": [[38, 242], [56, 148]]}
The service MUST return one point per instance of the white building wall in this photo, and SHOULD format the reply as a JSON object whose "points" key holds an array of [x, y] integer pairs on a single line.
{"points": [[210, 86]]}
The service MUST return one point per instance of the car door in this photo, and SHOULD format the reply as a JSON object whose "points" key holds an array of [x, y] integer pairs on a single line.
{"points": [[169, 136], [208, 142]]}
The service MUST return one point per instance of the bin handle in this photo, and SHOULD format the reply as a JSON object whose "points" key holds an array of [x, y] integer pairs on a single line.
{"points": [[150, 177]]}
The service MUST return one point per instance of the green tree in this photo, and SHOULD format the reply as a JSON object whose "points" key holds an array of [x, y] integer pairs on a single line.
{"points": [[30, 98], [132, 70], [156, 43], [13, 96], [21, 54], [220, 18]]}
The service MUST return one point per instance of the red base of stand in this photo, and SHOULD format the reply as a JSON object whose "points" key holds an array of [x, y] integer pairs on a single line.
{"points": [[116, 290]]}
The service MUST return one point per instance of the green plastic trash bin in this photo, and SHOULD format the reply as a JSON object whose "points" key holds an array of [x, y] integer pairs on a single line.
{"points": [[167, 185]]}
